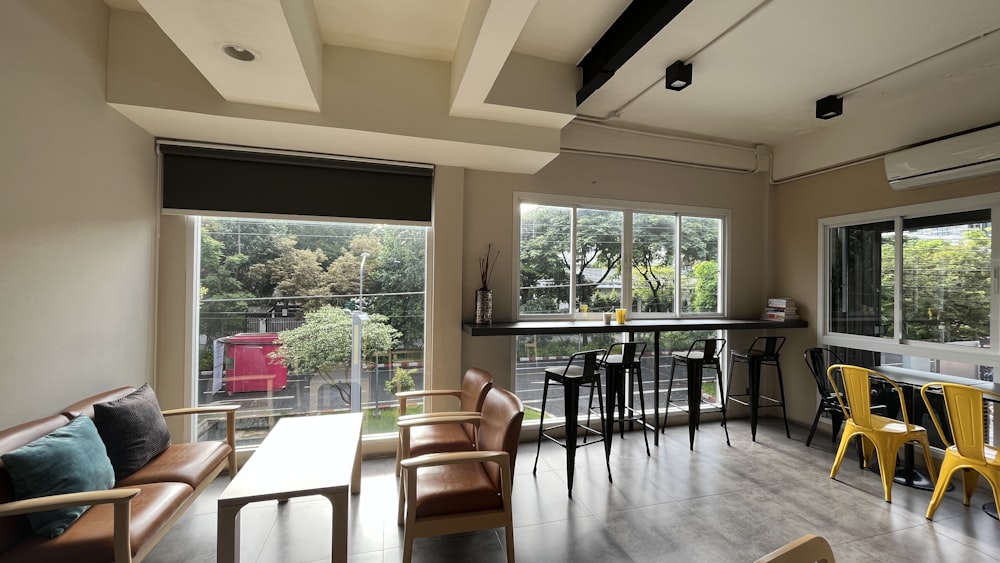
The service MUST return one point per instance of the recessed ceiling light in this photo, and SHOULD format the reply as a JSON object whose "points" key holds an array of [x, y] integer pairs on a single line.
{"points": [[239, 53]]}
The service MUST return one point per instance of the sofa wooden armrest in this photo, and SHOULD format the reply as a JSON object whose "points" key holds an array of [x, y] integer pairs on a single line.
{"points": [[230, 412]]}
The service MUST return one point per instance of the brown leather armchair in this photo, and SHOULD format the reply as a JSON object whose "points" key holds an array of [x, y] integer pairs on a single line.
{"points": [[448, 493], [418, 439]]}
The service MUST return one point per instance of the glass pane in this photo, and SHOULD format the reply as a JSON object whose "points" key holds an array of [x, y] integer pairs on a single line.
{"points": [[598, 260], [699, 263], [653, 262], [946, 278], [861, 279], [546, 249], [279, 303], [536, 353]]}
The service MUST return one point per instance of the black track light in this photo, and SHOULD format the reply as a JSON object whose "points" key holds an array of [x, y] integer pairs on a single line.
{"points": [[678, 76], [829, 107]]}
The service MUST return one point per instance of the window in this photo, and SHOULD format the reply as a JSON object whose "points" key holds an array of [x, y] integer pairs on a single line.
{"points": [[572, 258], [916, 284], [280, 302], [576, 257]]}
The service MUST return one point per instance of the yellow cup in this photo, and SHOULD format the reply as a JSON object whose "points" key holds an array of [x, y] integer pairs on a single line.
{"points": [[584, 308], [620, 315]]}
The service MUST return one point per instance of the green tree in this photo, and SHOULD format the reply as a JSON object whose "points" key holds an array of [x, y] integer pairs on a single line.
{"points": [[705, 297], [223, 299], [652, 260], [295, 272], [323, 343], [946, 287], [398, 274]]}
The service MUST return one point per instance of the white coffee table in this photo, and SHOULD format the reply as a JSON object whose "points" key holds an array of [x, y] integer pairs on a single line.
{"points": [[301, 456]]}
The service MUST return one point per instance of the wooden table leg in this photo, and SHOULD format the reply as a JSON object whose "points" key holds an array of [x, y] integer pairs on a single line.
{"points": [[356, 473], [227, 545], [340, 504]]}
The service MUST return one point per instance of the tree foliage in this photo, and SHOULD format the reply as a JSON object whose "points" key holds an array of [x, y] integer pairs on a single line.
{"points": [[323, 343], [945, 286]]}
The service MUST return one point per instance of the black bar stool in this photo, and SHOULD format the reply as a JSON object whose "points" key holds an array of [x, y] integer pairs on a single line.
{"points": [[764, 350], [701, 353], [623, 360], [582, 370]]}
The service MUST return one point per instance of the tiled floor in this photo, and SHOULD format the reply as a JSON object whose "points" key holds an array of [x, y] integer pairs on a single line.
{"points": [[713, 504]]}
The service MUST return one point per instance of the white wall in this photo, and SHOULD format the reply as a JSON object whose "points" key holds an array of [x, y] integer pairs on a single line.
{"points": [[77, 218]]}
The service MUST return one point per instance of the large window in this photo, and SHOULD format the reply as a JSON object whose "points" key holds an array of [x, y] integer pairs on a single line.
{"points": [[917, 284], [281, 305], [580, 260]]}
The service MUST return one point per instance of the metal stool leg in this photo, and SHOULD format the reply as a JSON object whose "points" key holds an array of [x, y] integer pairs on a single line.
{"points": [[642, 406], [541, 424], [670, 388], [781, 391], [725, 426]]}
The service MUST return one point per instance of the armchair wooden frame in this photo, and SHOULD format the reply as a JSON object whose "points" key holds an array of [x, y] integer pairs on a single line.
{"points": [[404, 438], [462, 522], [482, 384], [810, 547]]}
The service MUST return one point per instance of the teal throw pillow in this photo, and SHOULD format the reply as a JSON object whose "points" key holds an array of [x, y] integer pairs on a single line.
{"points": [[71, 459]]}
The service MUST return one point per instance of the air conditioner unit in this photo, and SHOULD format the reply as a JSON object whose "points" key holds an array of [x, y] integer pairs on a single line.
{"points": [[955, 158]]}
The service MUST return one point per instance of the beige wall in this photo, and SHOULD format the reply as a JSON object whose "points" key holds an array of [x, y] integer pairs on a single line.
{"points": [[489, 218], [796, 210], [77, 219]]}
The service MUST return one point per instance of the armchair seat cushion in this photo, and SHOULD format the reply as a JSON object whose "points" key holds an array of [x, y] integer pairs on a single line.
{"points": [[88, 539], [439, 438], [189, 463], [451, 489]]}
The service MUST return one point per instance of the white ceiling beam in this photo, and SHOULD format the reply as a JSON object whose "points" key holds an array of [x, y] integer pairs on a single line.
{"points": [[284, 36]]}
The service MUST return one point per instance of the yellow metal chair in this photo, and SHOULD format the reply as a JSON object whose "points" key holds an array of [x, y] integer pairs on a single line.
{"points": [[886, 435], [969, 452]]}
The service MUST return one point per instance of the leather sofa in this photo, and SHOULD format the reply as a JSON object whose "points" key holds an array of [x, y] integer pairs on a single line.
{"points": [[124, 523]]}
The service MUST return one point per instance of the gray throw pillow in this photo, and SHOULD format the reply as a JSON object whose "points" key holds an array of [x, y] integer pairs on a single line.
{"points": [[70, 459], [133, 429]]}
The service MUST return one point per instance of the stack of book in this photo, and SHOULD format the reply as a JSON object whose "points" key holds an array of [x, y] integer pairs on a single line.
{"points": [[780, 309]]}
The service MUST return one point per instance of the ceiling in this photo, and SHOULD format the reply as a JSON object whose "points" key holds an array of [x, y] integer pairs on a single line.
{"points": [[908, 70]]}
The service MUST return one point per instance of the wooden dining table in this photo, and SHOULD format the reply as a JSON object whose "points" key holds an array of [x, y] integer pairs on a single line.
{"points": [[632, 327]]}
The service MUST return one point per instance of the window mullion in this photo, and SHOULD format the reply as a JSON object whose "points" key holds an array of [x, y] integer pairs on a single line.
{"points": [[897, 286], [626, 260], [677, 264], [572, 260]]}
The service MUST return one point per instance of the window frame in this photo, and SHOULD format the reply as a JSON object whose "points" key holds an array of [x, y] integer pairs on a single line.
{"points": [[896, 343], [628, 208]]}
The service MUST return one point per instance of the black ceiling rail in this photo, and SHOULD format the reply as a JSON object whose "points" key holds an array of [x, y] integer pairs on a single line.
{"points": [[639, 23]]}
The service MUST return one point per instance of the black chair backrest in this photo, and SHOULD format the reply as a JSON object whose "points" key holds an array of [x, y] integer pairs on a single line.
{"points": [[711, 349], [818, 359], [591, 362], [769, 347], [631, 352]]}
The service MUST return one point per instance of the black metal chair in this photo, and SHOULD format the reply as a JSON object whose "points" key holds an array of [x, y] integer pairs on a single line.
{"points": [[624, 360], [763, 351], [582, 370], [702, 353], [818, 360]]}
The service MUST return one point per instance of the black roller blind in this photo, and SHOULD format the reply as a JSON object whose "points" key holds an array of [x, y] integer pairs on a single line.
{"points": [[201, 180]]}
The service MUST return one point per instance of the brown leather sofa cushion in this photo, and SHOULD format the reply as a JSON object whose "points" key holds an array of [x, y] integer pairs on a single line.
{"points": [[189, 463], [452, 489], [439, 438], [89, 539]]}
